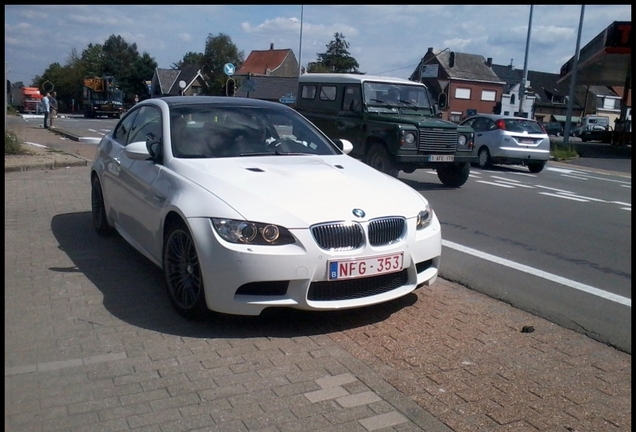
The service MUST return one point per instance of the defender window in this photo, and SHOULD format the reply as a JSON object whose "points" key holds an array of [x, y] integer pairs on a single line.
{"points": [[352, 99], [328, 93], [308, 92]]}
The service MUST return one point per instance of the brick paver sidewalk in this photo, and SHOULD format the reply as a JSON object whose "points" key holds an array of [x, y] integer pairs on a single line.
{"points": [[91, 343]]}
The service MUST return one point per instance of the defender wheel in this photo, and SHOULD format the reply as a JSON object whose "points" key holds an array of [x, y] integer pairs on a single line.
{"points": [[379, 158], [483, 158], [182, 271], [98, 210], [454, 175]]}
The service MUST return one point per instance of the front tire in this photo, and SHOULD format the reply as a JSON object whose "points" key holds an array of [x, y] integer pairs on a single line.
{"points": [[379, 158], [484, 160], [182, 271], [98, 209], [454, 175]]}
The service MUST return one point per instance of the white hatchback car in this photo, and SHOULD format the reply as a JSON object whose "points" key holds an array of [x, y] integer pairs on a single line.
{"points": [[509, 140], [245, 205]]}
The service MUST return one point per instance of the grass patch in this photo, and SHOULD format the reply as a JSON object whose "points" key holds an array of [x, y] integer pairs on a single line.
{"points": [[558, 151], [12, 144]]}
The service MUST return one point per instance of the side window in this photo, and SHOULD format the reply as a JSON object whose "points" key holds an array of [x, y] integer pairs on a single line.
{"points": [[123, 128], [147, 125], [308, 92], [352, 99], [480, 124], [328, 93]]}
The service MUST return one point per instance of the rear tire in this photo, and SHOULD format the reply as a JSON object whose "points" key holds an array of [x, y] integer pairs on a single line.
{"points": [[536, 167], [182, 271], [454, 175], [379, 158]]}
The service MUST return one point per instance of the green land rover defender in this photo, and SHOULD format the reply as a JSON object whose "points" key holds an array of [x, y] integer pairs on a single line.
{"points": [[391, 122]]}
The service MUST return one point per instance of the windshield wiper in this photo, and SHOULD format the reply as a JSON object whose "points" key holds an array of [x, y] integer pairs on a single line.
{"points": [[274, 153], [383, 102]]}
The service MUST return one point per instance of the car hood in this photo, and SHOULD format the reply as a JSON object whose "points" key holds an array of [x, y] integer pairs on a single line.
{"points": [[297, 191]]}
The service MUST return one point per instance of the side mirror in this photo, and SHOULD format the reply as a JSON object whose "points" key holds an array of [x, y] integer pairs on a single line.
{"points": [[137, 151], [344, 145]]}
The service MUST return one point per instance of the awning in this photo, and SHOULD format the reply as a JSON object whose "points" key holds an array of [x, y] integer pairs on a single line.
{"points": [[562, 118]]}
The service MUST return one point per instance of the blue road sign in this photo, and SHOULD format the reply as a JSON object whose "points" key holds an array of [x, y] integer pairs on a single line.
{"points": [[228, 68]]}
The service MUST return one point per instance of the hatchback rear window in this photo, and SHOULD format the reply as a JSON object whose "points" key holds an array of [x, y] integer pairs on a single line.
{"points": [[515, 125]]}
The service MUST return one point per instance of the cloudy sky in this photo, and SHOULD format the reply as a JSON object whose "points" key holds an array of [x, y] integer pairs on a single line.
{"points": [[385, 40]]}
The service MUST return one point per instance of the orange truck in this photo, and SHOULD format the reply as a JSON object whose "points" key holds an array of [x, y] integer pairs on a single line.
{"points": [[26, 99]]}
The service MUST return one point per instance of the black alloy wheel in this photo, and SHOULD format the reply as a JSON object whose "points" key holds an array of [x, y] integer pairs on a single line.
{"points": [[182, 271]]}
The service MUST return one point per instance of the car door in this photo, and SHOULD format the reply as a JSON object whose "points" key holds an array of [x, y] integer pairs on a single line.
{"points": [[140, 205], [486, 134], [111, 154]]}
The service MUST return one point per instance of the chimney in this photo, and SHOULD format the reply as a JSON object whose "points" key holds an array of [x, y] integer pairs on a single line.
{"points": [[271, 46], [430, 50], [489, 62]]}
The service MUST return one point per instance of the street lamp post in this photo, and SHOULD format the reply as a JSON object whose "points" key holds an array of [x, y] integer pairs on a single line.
{"points": [[300, 48], [524, 80]]}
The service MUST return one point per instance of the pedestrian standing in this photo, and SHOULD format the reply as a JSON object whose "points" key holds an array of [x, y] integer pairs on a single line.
{"points": [[136, 99], [53, 107], [46, 108]]}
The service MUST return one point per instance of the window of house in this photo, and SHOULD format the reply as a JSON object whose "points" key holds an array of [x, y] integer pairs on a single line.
{"points": [[557, 99], [455, 116], [512, 99], [610, 103], [462, 93], [328, 93], [308, 92], [488, 95]]}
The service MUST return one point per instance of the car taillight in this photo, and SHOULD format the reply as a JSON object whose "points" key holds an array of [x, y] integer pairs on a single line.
{"points": [[500, 124]]}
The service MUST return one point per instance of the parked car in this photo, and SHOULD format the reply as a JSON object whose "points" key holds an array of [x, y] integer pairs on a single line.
{"points": [[246, 205], [553, 128], [509, 140]]}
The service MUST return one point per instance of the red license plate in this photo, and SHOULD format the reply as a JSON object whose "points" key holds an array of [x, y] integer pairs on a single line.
{"points": [[364, 267]]}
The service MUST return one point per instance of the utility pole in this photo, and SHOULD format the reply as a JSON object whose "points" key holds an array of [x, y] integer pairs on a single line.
{"points": [[524, 80], [300, 48], [6, 78], [575, 66]]}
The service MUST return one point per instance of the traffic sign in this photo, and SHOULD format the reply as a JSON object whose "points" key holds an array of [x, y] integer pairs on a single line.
{"points": [[289, 98], [228, 68]]}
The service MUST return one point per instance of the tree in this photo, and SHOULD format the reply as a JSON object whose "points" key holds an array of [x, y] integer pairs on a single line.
{"points": [[190, 58], [337, 58], [317, 67], [219, 50]]}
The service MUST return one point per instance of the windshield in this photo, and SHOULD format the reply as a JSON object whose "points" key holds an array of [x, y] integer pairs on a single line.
{"points": [[213, 131], [391, 95]]}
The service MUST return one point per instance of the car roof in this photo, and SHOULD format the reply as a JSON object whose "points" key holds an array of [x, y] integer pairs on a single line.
{"points": [[174, 101], [348, 78], [499, 116]]}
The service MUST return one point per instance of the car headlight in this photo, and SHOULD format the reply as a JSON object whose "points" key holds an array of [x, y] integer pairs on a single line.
{"points": [[255, 233], [464, 141], [424, 218], [408, 140]]}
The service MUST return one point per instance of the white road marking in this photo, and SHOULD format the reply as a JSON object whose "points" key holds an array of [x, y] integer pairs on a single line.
{"points": [[563, 196], [539, 273], [495, 184]]}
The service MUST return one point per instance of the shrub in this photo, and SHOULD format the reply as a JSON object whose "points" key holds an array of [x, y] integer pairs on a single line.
{"points": [[12, 144]]}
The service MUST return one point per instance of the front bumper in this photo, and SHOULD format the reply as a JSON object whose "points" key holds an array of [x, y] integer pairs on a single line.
{"points": [[244, 280]]}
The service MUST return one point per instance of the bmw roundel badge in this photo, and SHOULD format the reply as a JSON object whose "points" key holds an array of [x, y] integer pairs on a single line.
{"points": [[358, 213]]}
